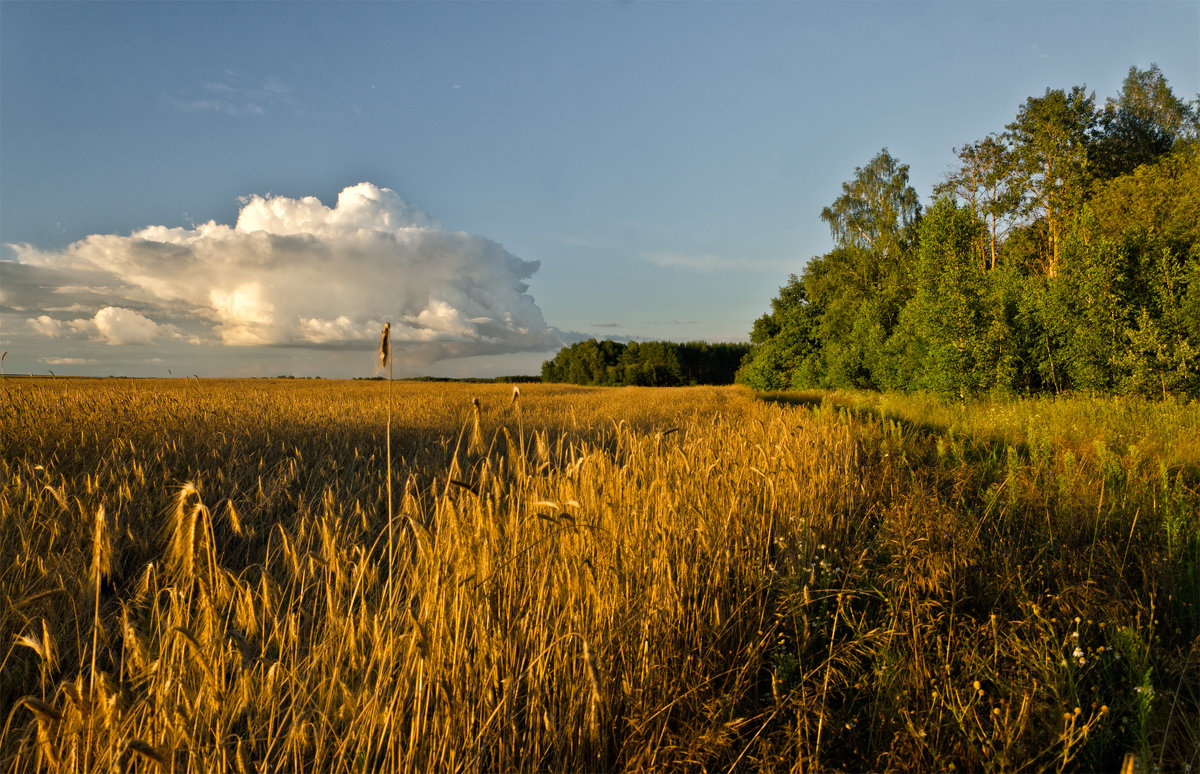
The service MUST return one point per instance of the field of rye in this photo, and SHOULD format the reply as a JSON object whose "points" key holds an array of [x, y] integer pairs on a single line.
{"points": [[201, 575]]}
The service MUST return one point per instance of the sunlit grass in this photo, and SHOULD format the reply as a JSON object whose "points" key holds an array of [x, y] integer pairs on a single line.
{"points": [[596, 579]]}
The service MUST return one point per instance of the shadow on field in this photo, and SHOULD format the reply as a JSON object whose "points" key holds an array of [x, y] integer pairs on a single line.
{"points": [[970, 447], [965, 449], [792, 398], [1056, 493]]}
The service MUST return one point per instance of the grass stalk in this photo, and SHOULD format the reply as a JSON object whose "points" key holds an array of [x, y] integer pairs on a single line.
{"points": [[385, 360]]}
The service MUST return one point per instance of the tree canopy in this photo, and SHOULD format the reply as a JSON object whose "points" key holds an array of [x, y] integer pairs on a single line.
{"points": [[1060, 253], [645, 363]]}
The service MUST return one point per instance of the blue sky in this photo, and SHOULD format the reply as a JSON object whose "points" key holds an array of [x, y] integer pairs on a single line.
{"points": [[537, 171]]}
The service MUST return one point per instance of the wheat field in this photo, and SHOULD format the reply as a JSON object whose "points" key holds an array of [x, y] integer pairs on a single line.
{"points": [[202, 575]]}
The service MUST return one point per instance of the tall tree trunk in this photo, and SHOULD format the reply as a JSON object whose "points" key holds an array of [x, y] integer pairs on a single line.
{"points": [[992, 253], [1052, 228]]}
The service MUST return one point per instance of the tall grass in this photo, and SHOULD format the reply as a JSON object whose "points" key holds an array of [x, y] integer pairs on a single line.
{"points": [[591, 579]]}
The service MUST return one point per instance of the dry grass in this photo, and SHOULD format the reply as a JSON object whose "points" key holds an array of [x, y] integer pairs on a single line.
{"points": [[195, 577]]}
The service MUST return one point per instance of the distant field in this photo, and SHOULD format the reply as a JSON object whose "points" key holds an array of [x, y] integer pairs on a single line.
{"points": [[200, 575]]}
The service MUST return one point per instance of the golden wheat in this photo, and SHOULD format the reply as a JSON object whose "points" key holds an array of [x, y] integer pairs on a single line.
{"points": [[208, 575]]}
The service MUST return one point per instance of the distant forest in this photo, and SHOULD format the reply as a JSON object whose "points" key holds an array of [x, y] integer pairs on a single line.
{"points": [[1059, 254], [648, 363]]}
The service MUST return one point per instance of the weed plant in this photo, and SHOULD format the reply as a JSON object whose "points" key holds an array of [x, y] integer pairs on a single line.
{"points": [[195, 576]]}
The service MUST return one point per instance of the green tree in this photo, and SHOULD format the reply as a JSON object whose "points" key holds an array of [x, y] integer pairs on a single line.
{"points": [[1073, 262], [950, 314], [1189, 305], [1014, 332], [585, 362], [785, 347], [829, 327], [1085, 317], [983, 181], [861, 286], [651, 364], [1157, 203], [1120, 312], [1050, 139], [1159, 362], [878, 210], [1163, 353], [1142, 124], [702, 362]]}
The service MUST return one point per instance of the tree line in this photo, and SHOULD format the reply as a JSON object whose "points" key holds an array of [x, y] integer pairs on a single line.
{"points": [[647, 363], [1061, 253]]}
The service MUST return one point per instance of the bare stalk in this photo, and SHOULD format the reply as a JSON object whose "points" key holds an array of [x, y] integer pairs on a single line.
{"points": [[385, 359]]}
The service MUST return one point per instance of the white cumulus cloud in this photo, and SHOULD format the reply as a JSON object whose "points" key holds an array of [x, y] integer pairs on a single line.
{"points": [[124, 326], [295, 272], [112, 325], [46, 326]]}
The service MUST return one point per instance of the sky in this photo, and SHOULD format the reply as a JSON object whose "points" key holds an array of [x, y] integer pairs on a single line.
{"points": [[253, 189]]}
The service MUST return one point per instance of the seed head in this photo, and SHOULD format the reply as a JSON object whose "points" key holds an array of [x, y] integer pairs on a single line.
{"points": [[44, 712], [101, 548], [385, 345]]}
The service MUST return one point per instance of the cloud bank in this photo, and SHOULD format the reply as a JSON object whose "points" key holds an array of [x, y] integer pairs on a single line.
{"points": [[290, 272]]}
